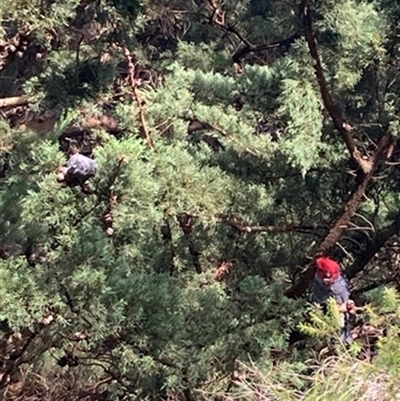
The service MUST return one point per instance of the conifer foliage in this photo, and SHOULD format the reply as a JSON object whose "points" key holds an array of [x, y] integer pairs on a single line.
{"points": [[235, 142]]}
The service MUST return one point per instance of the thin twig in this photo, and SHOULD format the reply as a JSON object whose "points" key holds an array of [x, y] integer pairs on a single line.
{"points": [[241, 226], [344, 250], [366, 220], [140, 102], [77, 64]]}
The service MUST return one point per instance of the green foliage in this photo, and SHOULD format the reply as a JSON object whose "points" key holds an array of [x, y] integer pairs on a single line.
{"points": [[302, 105], [245, 177], [341, 377], [203, 56], [324, 324], [359, 35]]}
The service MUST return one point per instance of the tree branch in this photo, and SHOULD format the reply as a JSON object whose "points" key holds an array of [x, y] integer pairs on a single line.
{"points": [[367, 166], [140, 102], [341, 224], [246, 49], [217, 18], [374, 285], [381, 238], [343, 128], [241, 226], [14, 101]]}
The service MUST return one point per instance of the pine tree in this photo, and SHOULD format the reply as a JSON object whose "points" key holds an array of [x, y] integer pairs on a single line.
{"points": [[235, 142]]}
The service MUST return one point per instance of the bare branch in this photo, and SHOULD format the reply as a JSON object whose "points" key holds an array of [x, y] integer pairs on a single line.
{"points": [[243, 51], [382, 237], [14, 101], [345, 251], [140, 102], [241, 226], [217, 18], [372, 227]]}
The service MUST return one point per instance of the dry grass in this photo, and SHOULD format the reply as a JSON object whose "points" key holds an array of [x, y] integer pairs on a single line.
{"points": [[343, 378]]}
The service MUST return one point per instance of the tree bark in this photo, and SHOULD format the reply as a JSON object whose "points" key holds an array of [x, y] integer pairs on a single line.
{"points": [[336, 232]]}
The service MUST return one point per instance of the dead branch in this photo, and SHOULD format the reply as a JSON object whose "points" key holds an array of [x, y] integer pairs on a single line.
{"points": [[217, 18], [371, 226], [246, 49], [348, 254], [15, 357], [14, 101], [241, 226], [382, 237], [139, 100]]}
